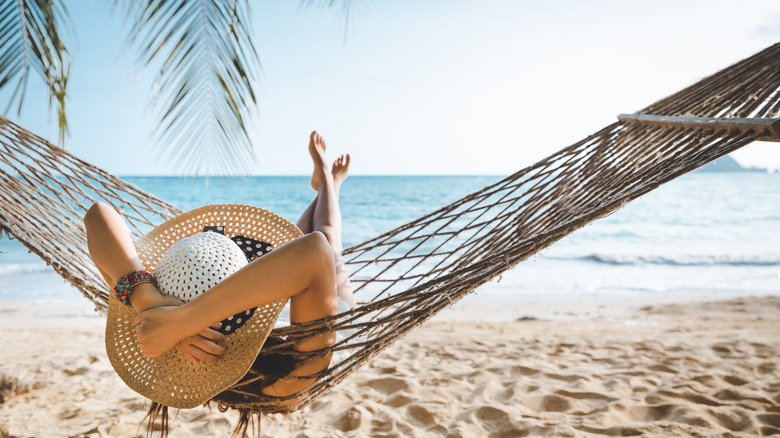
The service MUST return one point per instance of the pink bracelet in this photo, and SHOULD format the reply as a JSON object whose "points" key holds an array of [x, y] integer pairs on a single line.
{"points": [[124, 286]]}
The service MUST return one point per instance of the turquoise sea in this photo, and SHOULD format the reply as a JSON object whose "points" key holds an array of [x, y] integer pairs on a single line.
{"points": [[702, 233]]}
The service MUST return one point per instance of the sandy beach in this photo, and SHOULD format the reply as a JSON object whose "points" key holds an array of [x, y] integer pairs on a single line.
{"points": [[618, 367]]}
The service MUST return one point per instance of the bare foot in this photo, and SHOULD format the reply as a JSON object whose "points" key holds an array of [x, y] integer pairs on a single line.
{"points": [[340, 170], [317, 152]]}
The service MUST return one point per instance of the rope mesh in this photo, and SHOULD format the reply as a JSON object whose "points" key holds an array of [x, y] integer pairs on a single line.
{"points": [[405, 276], [46, 192]]}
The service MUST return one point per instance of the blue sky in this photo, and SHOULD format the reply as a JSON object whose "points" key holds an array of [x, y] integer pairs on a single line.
{"points": [[422, 87]]}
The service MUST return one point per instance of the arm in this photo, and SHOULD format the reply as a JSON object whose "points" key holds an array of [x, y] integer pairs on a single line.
{"points": [[111, 248], [302, 269]]}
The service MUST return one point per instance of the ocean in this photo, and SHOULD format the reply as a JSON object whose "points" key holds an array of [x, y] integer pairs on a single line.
{"points": [[706, 233]]}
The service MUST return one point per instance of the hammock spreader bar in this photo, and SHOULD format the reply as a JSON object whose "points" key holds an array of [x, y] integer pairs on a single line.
{"points": [[769, 128]]}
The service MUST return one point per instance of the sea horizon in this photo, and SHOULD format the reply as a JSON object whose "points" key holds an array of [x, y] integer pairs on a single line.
{"points": [[701, 233]]}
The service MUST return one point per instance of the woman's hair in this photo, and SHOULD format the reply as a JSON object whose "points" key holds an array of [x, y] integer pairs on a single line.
{"points": [[266, 369]]}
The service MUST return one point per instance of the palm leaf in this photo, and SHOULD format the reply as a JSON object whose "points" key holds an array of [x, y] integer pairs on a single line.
{"points": [[30, 44], [348, 8], [206, 83]]}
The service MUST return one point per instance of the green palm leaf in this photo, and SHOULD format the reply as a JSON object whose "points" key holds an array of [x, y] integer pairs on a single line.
{"points": [[205, 86], [30, 44]]}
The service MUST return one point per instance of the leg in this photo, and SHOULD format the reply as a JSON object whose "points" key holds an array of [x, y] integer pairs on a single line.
{"points": [[326, 217], [327, 214], [304, 222], [339, 170]]}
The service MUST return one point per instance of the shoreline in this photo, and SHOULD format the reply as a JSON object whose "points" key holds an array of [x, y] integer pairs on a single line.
{"points": [[476, 307]]}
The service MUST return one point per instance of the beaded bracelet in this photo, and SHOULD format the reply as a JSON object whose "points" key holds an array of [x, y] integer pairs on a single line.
{"points": [[124, 286]]}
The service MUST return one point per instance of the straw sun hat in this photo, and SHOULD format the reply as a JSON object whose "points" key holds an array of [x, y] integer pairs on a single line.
{"points": [[187, 255]]}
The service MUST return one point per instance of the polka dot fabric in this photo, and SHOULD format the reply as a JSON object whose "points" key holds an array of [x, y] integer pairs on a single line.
{"points": [[172, 379], [252, 249]]}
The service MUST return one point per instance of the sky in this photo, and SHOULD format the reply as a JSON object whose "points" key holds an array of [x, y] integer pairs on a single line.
{"points": [[420, 87]]}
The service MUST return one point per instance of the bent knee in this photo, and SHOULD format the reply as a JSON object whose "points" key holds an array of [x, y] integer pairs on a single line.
{"points": [[97, 213], [317, 243], [316, 240], [332, 236]]}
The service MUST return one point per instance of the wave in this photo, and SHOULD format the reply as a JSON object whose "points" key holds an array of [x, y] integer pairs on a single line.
{"points": [[23, 268], [632, 260]]}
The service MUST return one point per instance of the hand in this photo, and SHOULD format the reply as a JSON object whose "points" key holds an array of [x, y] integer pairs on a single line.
{"points": [[199, 347], [204, 347], [160, 329]]}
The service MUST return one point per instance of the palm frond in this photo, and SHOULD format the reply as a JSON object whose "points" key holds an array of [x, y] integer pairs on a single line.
{"points": [[205, 90], [30, 44], [348, 8]]}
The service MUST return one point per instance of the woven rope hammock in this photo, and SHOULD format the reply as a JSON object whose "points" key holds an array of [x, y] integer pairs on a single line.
{"points": [[407, 275]]}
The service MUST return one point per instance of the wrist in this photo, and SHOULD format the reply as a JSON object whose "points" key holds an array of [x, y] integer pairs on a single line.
{"points": [[185, 315], [145, 296]]}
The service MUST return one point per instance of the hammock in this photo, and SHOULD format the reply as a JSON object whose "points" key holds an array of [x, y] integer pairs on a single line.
{"points": [[405, 276]]}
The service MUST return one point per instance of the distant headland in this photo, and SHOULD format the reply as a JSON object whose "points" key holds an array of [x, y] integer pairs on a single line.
{"points": [[728, 164]]}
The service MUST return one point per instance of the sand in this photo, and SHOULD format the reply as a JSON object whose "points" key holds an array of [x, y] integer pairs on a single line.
{"points": [[614, 367]]}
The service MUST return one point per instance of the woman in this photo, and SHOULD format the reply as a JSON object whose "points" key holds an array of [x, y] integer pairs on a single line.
{"points": [[304, 270]]}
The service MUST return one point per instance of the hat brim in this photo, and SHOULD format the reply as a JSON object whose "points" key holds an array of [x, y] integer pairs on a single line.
{"points": [[173, 379]]}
